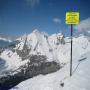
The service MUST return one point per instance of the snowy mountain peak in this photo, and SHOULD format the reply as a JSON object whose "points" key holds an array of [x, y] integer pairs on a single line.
{"points": [[41, 50], [55, 47], [35, 31], [43, 44]]}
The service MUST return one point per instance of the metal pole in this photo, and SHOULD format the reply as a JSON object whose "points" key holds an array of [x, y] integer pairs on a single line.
{"points": [[71, 50]]}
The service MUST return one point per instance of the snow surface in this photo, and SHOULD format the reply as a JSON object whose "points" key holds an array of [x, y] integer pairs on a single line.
{"points": [[42, 43], [12, 60], [80, 79]]}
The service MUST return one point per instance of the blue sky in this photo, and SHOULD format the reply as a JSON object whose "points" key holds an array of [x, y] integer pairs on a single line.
{"points": [[23, 16]]}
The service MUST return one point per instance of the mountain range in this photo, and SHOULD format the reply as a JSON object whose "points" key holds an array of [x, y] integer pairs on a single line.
{"points": [[38, 53]]}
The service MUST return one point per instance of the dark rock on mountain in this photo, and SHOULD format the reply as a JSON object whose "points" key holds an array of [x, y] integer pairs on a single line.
{"points": [[37, 65]]}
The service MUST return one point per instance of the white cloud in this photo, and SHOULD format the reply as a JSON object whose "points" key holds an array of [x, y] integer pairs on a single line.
{"points": [[57, 20], [84, 25], [33, 3]]}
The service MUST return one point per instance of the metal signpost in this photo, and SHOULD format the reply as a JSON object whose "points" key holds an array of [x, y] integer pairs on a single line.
{"points": [[72, 18]]}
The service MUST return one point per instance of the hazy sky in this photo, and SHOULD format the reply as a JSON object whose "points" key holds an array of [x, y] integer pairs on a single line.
{"points": [[22, 16]]}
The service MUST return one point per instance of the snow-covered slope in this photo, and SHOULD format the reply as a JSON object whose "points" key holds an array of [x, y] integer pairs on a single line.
{"points": [[40, 43], [12, 60], [51, 49], [80, 79]]}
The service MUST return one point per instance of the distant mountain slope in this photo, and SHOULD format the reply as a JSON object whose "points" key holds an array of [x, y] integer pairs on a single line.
{"points": [[40, 43], [38, 53], [4, 42]]}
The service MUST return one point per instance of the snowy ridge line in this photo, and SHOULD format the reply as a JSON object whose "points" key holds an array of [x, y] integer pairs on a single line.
{"points": [[60, 52], [37, 43]]}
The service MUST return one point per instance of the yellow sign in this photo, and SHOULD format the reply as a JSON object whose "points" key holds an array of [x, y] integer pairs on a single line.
{"points": [[72, 17]]}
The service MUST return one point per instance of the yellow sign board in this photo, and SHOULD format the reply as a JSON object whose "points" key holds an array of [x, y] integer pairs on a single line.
{"points": [[72, 17]]}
